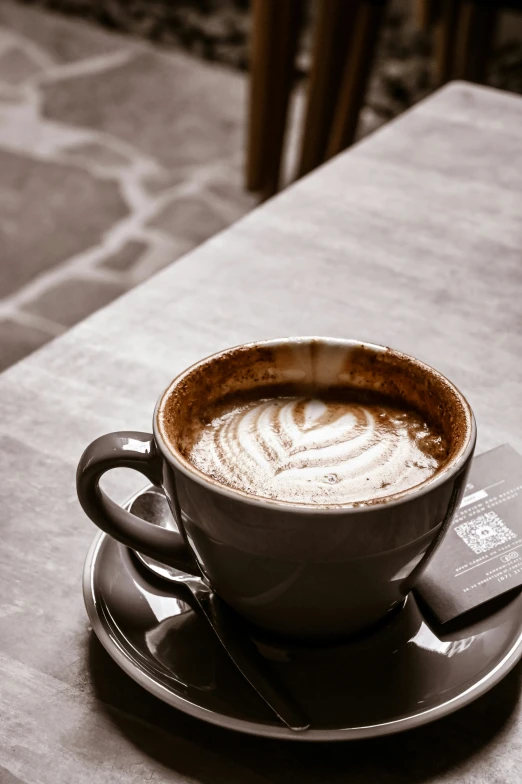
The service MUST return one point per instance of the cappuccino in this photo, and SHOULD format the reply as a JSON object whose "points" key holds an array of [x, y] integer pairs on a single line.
{"points": [[352, 447]]}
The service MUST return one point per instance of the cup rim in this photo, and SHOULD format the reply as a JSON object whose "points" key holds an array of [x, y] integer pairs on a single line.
{"points": [[453, 467]]}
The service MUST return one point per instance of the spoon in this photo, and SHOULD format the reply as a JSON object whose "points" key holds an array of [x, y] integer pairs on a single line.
{"points": [[152, 506]]}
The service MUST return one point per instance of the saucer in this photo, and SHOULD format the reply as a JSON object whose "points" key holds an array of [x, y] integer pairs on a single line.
{"points": [[406, 674]]}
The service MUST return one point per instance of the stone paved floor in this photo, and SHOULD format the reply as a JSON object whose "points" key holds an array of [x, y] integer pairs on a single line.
{"points": [[115, 159]]}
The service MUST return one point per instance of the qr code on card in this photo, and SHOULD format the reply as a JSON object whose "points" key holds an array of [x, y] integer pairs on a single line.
{"points": [[485, 532]]}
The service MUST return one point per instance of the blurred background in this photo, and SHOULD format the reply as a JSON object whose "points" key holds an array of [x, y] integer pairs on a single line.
{"points": [[133, 130]]}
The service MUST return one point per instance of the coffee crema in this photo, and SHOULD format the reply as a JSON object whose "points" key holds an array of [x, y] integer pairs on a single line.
{"points": [[317, 450]]}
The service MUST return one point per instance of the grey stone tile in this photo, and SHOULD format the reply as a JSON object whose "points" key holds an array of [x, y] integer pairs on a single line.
{"points": [[64, 40], [228, 189], [172, 108], [16, 66], [9, 94], [48, 213], [74, 300], [160, 257], [165, 179], [124, 258], [95, 153], [18, 340], [190, 218]]}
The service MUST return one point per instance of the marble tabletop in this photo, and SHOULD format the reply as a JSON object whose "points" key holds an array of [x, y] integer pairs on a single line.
{"points": [[413, 238]]}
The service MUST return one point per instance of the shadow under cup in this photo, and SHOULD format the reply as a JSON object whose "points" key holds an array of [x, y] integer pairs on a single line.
{"points": [[317, 571]]}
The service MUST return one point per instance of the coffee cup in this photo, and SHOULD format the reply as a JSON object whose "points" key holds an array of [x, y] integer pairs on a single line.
{"points": [[286, 551]]}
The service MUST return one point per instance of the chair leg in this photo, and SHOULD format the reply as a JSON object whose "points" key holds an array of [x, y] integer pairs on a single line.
{"points": [[445, 39], [427, 13], [261, 76], [331, 46], [367, 26], [476, 31], [275, 31]]}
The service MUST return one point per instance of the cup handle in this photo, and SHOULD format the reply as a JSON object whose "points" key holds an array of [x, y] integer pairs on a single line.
{"points": [[129, 449], [409, 582]]}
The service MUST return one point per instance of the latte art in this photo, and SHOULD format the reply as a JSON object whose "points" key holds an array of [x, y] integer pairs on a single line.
{"points": [[318, 451]]}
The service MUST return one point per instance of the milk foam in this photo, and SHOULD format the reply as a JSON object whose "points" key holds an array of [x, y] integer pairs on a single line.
{"points": [[316, 451]]}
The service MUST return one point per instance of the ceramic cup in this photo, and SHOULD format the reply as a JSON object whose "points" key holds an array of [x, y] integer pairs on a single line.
{"points": [[302, 571]]}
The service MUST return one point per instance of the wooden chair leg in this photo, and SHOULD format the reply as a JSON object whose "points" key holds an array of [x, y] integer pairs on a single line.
{"points": [[331, 46], [275, 31], [476, 30], [427, 13], [261, 76], [367, 25], [445, 39]]}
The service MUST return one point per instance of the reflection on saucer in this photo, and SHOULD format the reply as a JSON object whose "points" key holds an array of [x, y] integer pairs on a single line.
{"points": [[182, 644], [427, 640]]}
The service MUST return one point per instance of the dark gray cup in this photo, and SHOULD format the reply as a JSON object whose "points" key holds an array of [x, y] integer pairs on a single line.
{"points": [[311, 572]]}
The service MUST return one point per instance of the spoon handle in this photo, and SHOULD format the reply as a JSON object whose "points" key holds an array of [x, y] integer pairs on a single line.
{"points": [[228, 630], [233, 639], [251, 664]]}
